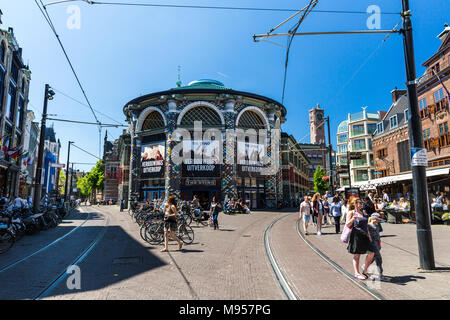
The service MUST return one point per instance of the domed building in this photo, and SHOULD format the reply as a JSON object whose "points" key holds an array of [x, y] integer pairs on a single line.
{"points": [[157, 118]]}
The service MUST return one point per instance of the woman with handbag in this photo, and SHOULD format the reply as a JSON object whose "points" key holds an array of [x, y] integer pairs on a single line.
{"points": [[170, 223], [360, 240], [318, 211]]}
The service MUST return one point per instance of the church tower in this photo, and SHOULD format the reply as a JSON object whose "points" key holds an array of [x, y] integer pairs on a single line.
{"points": [[316, 125]]}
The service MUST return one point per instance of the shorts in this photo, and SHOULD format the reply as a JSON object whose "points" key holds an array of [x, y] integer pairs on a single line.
{"points": [[170, 225], [306, 218]]}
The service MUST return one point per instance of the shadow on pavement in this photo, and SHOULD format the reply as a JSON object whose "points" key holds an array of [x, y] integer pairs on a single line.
{"points": [[402, 280]]}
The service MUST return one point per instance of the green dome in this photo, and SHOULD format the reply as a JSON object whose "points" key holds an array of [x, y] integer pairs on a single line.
{"points": [[204, 84]]}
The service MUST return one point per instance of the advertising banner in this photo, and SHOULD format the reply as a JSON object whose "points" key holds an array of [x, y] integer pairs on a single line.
{"points": [[152, 160], [204, 160], [250, 158]]}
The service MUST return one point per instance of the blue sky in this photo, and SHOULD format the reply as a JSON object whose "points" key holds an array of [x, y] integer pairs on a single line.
{"points": [[123, 52]]}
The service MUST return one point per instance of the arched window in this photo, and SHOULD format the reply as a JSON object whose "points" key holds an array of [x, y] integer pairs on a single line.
{"points": [[208, 116], [250, 119], [153, 121]]}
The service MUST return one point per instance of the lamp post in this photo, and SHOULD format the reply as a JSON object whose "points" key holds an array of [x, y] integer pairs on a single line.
{"points": [[330, 156], [48, 95], [67, 171], [418, 164]]}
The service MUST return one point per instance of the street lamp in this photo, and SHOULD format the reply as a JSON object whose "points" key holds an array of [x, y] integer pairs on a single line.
{"points": [[49, 93]]}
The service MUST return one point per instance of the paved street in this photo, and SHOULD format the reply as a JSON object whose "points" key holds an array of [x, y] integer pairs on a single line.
{"points": [[228, 264]]}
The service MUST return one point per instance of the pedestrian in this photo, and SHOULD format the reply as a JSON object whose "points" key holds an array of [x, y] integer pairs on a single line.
{"points": [[368, 206], [326, 209], [214, 212], [318, 211], [375, 243], [386, 197], [121, 205], [344, 209], [359, 242], [336, 212], [305, 213], [170, 223]]}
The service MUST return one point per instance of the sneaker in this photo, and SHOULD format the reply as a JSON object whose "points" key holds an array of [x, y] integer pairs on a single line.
{"points": [[306, 233], [319, 233]]}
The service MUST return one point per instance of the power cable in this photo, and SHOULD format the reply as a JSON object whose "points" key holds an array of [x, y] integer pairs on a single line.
{"points": [[85, 151], [223, 8]]}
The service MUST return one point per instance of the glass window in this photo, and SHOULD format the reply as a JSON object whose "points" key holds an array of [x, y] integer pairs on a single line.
{"points": [[393, 121], [342, 138], [438, 95], [343, 149], [20, 113], [359, 144], [422, 103], [406, 114], [11, 101], [358, 129], [371, 127], [2, 83], [380, 127], [2, 53]]}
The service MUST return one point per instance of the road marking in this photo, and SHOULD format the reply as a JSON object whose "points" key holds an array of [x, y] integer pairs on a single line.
{"points": [[77, 260], [44, 248], [338, 268], [278, 273]]}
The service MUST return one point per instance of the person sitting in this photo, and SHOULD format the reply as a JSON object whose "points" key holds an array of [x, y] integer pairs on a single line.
{"points": [[403, 204], [238, 205], [394, 205]]}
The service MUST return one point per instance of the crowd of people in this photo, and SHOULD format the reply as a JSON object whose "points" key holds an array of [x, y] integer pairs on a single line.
{"points": [[362, 225]]}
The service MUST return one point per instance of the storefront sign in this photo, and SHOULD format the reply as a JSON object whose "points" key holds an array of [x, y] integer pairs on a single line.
{"points": [[204, 182], [152, 160], [250, 159], [204, 160], [419, 157]]}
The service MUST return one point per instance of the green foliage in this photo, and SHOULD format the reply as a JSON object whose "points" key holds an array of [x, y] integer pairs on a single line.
{"points": [[92, 181], [320, 185], [62, 181]]}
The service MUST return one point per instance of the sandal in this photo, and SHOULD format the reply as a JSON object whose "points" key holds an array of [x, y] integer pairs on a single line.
{"points": [[180, 245], [360, 277], [164, 250], [365, 274]]}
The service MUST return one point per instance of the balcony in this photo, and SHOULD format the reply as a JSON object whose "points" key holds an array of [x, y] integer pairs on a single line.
{"points": [[357, 116], [358, 147], [359, 163], [358, 132]]}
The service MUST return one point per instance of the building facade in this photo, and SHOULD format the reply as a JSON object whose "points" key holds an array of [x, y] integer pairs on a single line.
{"points": [[207, 169], [295, 175], [355, 135], [111, 170], [14, 84], [52, 148]]}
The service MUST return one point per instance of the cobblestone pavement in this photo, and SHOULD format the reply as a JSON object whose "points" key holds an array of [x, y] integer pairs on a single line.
{"points": [[400, 261], [230, 263]]}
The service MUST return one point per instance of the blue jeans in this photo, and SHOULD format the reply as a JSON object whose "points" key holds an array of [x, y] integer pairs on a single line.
{"points": [[216, 223]]}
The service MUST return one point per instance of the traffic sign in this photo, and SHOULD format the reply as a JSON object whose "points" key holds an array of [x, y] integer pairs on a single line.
{"points": [[57, 165]]}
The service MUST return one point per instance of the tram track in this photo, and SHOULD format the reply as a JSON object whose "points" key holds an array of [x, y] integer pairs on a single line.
{"points": [[284, 281], [375, 294], [15, 263], [63, 274]]}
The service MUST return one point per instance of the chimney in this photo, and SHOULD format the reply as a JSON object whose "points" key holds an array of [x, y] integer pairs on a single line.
{"points": [[443, 35], [396, 94]]}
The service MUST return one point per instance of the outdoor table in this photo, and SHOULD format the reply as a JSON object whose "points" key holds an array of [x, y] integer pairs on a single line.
{"points": [[393, 215]]}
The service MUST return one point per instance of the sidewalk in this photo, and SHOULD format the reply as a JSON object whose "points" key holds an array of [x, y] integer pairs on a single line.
{"points": [[399, 249]]}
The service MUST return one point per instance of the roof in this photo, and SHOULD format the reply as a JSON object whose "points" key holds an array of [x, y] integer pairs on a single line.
{"points": [[50, 134], [343, 127], [205, 86], [398, 108]]}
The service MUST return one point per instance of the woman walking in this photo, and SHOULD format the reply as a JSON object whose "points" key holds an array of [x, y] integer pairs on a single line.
{"points": [[305, 213], [214, 212], [170, 223], [336, 212], [318, 211], [326, 210], [375, 243], [359, 242]]}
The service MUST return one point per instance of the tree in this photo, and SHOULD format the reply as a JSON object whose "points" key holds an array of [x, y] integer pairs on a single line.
{"points": [[320, 185], [92, 181], [62, 181]]}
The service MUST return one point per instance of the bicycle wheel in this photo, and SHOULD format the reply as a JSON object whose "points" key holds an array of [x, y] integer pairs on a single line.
{"points": [[186, 234], [6, 240], [187, 219], [142, 231], [155, 234]]}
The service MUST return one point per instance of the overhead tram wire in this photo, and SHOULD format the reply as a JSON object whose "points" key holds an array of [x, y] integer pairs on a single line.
{"points": [[74, 145], [47, 17], [223, 7]]}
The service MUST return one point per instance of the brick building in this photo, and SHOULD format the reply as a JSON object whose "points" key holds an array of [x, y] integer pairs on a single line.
{"points": [[294, 165]]}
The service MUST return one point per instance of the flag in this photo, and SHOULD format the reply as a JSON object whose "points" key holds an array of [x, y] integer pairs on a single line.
{"points": [[30, 160], [14, 152], [5, 146], [25, 155]]}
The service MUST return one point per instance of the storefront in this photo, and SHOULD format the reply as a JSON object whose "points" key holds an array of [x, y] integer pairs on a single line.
{"points": [[205, 112]]}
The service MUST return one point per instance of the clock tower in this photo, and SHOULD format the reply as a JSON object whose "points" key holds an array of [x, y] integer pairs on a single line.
{"points": [[316, 125]]}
